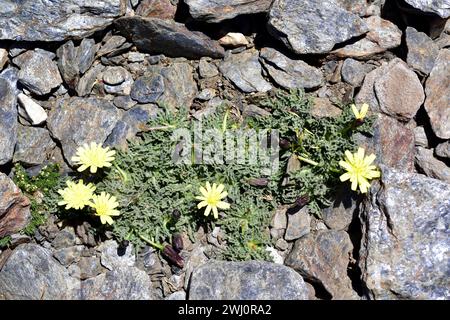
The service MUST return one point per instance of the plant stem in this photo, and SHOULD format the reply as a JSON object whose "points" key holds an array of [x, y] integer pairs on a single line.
{"points": [[152, 243]]}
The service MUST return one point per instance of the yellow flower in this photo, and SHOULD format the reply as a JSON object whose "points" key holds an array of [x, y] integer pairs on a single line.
{"points": [[211, 199], [360, 115], [93, 156], [359, 169], [76, 195], [105, 206]]}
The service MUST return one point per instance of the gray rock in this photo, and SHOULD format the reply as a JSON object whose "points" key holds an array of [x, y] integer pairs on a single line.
{"points": [[422, 51], [252, 280], [358, 7], [206, 94], [65, 238], [157, 36], [289, 73], [3, 57], [33, 147], [38, 73], [207, 69], [279, 219], [75, 61], [323, 107], [404, 250], [437, 89], [180, 86], [443, 150], [32, 20], [219, 10], [313, 256], [117, 80], [163, 9], [298, 224], [8, 120], [67, 256], [14, 208], [86, 268], [113, 257], [88, 80], [120, 284], [148, 89], [340, 214], [353, 72], [179, 295], [31, 273], [313, 26], [383, 35], [420, 137], [75, 121], [439, 7], [399, 91], [244, 70], [431, 166], [124, 102], [35, 114]]}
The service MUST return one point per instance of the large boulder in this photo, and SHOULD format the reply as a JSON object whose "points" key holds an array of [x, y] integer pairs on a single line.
{"points": [[404, 249], [313, 26], [252, 280], [56, 20], [439, 7]]}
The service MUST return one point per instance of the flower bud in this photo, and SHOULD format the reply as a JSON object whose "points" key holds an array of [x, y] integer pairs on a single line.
{"points": [[177, 242], [173, 256]]}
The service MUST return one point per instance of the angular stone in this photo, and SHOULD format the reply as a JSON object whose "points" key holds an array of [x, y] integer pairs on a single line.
{"points": [[437, 89], [31, 273], [219, 10], [288, 73], [420, 137], [38, 20], [147, 89], [443, 150], [313, 256], [422, 51], [399, 91], [353, 72], [252, 280], [86, 268], [298, 224], [233, 40], [244, 70], [124, 102], [111, 44], [87, 82], [431, 166], [313, 26], [117, 80], [3, 58], [35, 113], [340, 214], [173, 39], [162, 9], [75, 121], [366, 93], [207, 69], [38, 73], [383, 35], [67, 256], [65, 238], [34, 146], [323, 107], [180, 86], [439, 7], [14, 208], [113, 257], [404, 249], [8, 120], [117, 285]]}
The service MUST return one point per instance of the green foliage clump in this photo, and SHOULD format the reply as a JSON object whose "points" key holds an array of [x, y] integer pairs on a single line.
{"points": [[41, 190], [150, 186], [5, 242]]}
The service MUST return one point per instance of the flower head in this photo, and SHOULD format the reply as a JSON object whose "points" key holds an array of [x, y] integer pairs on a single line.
{"points": [[76, 195], [359, 169], [361, 114], [211, 198], [105, 207], [93, 156]]}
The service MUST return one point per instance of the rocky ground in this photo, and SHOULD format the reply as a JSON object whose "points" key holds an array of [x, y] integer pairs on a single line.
{"points": [[99, 70]]}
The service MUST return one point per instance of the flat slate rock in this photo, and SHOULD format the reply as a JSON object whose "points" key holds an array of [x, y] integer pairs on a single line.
{"points": [[313, 26], [422, 51], [56, 20], [8, 120], [173, 39], [34, 146], [219, 10], [252, 280], [290, 73]]}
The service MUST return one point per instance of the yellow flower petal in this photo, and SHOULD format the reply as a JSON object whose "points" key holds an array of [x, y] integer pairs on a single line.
{"points": [[202, 204], [344, 177], [223, 205], [212, 198], [364, 109], [215, 212], [207, 210]]}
